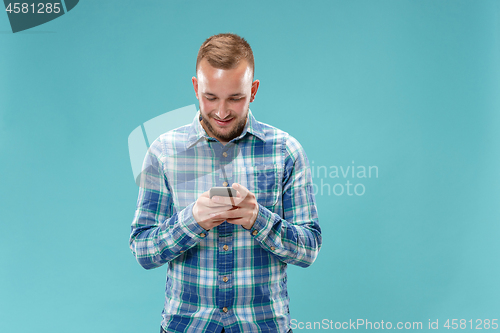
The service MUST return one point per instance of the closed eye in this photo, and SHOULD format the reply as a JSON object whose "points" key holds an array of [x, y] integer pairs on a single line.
{"points": [[211, 98]]}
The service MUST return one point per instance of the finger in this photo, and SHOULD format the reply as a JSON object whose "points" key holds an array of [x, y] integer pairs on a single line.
{"points": [[229, 214], [215, 203], [242, 190], [217, 222], [218, 211], [233, 201], [205, 200], [214, 219]]}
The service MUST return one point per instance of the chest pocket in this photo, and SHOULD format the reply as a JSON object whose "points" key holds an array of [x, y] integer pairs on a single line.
{"points": [[264, 180]]}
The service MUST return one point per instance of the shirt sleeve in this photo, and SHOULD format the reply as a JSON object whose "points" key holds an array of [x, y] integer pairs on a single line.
{"points": [[295, 237], [159, 233]]}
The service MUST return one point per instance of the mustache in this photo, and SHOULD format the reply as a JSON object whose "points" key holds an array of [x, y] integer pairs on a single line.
{"points": [[227, 118]]}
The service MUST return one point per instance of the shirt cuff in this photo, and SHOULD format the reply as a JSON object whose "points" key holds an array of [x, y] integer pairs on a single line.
{"points": [[189, 225], [263, 223]]}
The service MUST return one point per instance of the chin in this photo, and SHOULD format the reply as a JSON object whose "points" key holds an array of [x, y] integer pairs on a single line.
{"points": [[224, 133]]}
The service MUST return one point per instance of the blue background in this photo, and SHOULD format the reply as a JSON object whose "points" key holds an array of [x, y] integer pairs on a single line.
{"points": [[411, 87]]}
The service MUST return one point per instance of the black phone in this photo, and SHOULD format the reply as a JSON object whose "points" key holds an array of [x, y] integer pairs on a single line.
{"points": [[223, 192]]}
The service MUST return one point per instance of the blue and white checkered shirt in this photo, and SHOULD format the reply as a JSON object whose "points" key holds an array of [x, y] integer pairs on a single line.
{"points": [[228, 277]]}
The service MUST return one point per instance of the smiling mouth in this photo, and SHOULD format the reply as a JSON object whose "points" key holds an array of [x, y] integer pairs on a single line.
{"points": [[223, 122]]}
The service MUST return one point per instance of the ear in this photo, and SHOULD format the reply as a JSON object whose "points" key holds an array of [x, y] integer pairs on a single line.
{"points": [[255, 87], [195, 86]]}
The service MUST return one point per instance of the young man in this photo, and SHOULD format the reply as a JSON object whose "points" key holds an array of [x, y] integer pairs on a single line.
{"points": [[227, 256]]}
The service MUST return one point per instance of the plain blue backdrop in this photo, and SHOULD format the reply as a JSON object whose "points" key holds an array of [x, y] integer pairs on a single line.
{"points": [[410, 87]]}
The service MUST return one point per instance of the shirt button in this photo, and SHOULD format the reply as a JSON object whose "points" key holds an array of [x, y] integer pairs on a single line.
{"points": [[224, 154], [202, 234], [225, 279], [255, 232], [224, 309], [224, 184], [273, 248], [225, 247]]}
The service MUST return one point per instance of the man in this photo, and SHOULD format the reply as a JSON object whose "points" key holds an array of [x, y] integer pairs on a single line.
{"points": [[227, 256]]}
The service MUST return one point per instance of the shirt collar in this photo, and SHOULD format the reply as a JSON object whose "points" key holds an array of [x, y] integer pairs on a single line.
{"points": [[197, 132]]}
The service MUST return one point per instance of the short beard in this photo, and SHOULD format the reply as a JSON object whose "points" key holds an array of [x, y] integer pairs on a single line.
{"points": [[229, 136]]}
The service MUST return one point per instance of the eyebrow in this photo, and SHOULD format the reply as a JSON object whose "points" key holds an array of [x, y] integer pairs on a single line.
{"points": [[233, 95]]}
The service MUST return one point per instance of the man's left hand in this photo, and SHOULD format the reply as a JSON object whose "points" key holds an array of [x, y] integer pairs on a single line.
{"points": [[245, 209]]}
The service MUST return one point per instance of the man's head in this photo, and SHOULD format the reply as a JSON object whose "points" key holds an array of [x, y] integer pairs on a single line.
{"points": [[225, 51], [224, 85]]}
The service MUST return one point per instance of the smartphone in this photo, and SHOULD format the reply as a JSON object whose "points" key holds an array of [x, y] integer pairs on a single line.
{"points": [[223, 192]]}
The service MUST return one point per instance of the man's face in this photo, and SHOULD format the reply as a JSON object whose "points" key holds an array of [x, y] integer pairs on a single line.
{"points": [[224, 96]]}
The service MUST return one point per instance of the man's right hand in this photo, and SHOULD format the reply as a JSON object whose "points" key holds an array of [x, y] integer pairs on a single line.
{"points": [[204, 207]]}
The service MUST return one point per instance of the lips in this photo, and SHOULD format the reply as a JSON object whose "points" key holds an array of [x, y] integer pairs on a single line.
{"points": [[223, 122]]}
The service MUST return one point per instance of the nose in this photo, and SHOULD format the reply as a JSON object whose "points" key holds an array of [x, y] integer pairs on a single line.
{"points": [[223, 111]]}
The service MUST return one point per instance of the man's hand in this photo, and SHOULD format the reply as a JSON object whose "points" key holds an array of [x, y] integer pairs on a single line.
{"points": [[205, 208], [245, 208]]}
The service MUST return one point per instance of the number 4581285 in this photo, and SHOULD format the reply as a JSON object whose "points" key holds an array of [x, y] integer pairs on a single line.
{"points": [[40, 8], [478, 324]]}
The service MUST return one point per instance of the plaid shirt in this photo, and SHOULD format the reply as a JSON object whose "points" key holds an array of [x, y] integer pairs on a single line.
{"points": [[226, 277]]}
